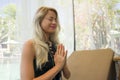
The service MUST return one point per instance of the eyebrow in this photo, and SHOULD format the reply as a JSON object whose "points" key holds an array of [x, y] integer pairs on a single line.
{"points": [[53, 17]]}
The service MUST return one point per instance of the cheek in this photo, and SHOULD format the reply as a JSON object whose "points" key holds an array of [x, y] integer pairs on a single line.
{"points": [[44, 26]]}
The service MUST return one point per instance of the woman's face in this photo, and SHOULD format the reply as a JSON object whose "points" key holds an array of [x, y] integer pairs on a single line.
{"points": [[49, 23]]}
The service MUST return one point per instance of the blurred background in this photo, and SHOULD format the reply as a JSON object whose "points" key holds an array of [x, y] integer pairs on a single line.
{"points": [[85, 25]]}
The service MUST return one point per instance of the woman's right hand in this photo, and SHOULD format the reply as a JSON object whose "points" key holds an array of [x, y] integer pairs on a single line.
{"points": [[60, 56]]}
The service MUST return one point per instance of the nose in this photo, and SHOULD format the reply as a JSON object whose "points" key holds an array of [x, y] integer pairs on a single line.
{"points": [[54, 22]]}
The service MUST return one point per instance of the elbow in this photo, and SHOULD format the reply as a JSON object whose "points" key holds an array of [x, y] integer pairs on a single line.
{"points": [[67, 76]]}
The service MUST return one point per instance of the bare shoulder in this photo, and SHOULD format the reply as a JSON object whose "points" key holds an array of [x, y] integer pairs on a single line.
{"points": [[29, 43], [28, 48], [27, 57]]}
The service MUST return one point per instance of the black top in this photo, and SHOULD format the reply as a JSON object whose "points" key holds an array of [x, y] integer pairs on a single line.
{"points": [[48, 65]]}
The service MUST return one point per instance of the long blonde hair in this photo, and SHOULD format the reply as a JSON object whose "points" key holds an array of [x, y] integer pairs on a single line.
{"points": [[40, 45]]}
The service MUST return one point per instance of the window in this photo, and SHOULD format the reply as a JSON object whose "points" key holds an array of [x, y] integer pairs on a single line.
{"points": [[97, 24], [16, 27], [9, 45]]}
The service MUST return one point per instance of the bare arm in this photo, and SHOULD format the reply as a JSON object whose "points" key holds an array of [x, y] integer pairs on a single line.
{"points": [[66, 72], [27, 70]]}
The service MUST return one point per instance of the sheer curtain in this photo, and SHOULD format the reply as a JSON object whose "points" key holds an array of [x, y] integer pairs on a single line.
{"points": [[9, 57], [27, 9], [25, 12], [96, 24], [24, 17], [65, 11]]}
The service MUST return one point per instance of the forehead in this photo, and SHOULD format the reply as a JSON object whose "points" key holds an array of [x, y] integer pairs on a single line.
{"points": [[51, 14]]}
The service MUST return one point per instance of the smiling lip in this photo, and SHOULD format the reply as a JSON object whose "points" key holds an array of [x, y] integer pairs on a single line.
{"points": [[53, 27]]}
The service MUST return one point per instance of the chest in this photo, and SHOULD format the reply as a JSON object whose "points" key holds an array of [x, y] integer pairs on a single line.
{"points": [[47, 65]]}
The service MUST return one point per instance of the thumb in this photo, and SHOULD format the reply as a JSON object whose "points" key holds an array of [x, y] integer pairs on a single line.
{"points": [[66, 52]]}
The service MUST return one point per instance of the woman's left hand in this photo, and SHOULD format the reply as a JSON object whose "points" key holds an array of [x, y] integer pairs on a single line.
{"points": [[66, 71]]}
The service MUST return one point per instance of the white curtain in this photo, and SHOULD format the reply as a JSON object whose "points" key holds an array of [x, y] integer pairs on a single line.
{"points": [[27, 9], [25, 13], [65, 11]]}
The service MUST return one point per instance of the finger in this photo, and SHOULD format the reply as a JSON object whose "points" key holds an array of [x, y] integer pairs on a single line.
{"points": [[59, 50], [62, 50], [65, 55], [66, 52]]}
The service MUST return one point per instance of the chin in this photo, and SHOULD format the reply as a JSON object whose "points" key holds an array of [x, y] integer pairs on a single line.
{"points": [[51, 31]]}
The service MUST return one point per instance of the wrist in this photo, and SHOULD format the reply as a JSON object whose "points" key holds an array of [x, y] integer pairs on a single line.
{"points": [[58, 67], [65, 66]]}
